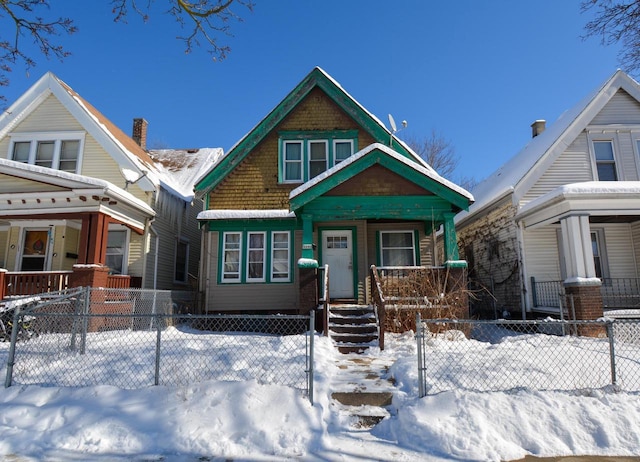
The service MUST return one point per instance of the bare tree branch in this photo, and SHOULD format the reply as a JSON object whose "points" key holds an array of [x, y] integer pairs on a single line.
{"points": [[204, 20], [616, 21]]}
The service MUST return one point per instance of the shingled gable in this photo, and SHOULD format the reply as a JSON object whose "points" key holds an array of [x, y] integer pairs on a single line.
{"points": [[444, 192], [316, 78], [117, 144], [521, 172]]}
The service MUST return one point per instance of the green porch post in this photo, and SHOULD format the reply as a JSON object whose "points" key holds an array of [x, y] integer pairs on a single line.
{"points": [[450, 239], [307, 241]]}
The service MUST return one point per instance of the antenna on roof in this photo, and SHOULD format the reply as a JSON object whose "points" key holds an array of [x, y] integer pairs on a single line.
{"points": [[394, 128]]}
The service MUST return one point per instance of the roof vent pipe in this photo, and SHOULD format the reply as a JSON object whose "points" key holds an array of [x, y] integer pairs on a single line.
{"points": [[538, 127]]}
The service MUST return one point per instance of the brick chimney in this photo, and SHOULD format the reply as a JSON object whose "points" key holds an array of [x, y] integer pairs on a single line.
{"points": [[538, 127], [140, 132]]}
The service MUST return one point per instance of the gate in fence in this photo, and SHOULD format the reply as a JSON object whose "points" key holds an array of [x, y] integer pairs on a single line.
{"points": [[545, 355], [134, 338]]}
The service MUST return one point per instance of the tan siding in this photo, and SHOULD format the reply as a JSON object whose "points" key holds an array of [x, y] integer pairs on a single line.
{"points": [[136, 255], [621, 109], [71, 245], [620, 257], [261, 297], [51, 115], [572, 166]]}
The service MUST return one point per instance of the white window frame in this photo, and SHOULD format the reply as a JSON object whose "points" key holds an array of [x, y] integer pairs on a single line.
{"points": [[179, 242], [335, 142], [273, 259], [413, 245], [309, 160], [285, 162], [602, 250], [223, 274], [263, 278], [127, 242], [57, 137]]}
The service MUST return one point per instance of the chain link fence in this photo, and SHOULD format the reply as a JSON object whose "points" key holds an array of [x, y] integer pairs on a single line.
{"points": [[505, 355], [134, 338]]}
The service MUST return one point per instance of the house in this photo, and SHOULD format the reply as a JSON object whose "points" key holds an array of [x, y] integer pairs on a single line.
{"points": [[562, 217], [77, 195], [318, 181]]}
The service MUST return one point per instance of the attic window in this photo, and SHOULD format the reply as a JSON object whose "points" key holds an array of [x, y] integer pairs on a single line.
{"points": [[305, 155], [59, 151]]}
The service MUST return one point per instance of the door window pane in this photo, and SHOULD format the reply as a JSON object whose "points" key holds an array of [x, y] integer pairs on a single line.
{"points": [[34, 250]]}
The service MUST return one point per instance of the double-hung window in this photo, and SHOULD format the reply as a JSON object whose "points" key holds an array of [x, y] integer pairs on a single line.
{"points": [[280, 256], [181, 270], [398, 248], [305, 155], [605, 160], [117, 241], [256, 256], [59, 151]]}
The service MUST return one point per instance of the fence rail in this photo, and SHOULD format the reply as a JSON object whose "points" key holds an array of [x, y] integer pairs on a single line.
{"points": [[545, 355], [135, 338]]}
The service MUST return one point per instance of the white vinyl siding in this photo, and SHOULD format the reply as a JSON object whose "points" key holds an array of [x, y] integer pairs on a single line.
{"points": [[542, 255], [621, 109], [620, 255]]}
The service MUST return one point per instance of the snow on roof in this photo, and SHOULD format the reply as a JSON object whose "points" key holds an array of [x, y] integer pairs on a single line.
{"points": [[36, 170], [585, 190], [180, 169], [428, 172], [554, 139], [245, 214]]}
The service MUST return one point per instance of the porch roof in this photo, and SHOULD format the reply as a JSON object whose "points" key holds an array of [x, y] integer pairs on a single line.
{"points": [[444, 196], [593, 198]]}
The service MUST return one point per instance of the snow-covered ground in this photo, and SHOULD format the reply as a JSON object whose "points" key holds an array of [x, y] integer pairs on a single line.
{"points": [[253, 420]]}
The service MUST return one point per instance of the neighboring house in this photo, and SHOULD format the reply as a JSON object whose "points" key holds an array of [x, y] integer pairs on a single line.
{"points": [[563, 215], [75, 192], [318, 181]]}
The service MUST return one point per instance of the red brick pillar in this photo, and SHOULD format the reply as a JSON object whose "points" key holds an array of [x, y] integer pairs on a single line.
{"points": [[89, 276], [92, 276], [309, 299], [587, 304]]}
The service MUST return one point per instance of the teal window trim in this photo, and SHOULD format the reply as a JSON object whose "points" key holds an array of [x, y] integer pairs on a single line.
{"points": [[268, 276], [416, 244], [305, 139], [354, 244]]}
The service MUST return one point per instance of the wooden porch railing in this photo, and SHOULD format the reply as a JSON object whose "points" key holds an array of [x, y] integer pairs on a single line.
{"points": [[377, 298], [39, 282], [35, 282], [323, 290]]}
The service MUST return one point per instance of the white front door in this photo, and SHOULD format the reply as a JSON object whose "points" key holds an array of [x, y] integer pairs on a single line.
{"points": [[337, 252]]}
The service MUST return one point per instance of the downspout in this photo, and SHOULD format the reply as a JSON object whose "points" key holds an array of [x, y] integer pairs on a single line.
{"points": [[523, 297], [147, 245], [155, 257]]}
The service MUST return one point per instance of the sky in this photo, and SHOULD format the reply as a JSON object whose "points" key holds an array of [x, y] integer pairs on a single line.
{"points": [[254, 420], [478, 73]]}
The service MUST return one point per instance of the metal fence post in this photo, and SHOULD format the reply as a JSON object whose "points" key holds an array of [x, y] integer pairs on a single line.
{"points": [[419, 335], [612, 352], [85, 320], [12, 348], [158, 342], [312, 331]]}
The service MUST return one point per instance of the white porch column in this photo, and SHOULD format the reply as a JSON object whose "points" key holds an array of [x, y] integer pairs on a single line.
{"points": [[576, 243]]}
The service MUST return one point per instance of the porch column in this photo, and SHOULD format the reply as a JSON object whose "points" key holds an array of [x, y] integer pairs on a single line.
{"points": [[576, 244], [307, 237], [581, 286], [450, 239], [93, 239]]}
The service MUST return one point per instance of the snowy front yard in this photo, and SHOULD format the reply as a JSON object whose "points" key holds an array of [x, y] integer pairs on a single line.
{"points": [[255, 420]]}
